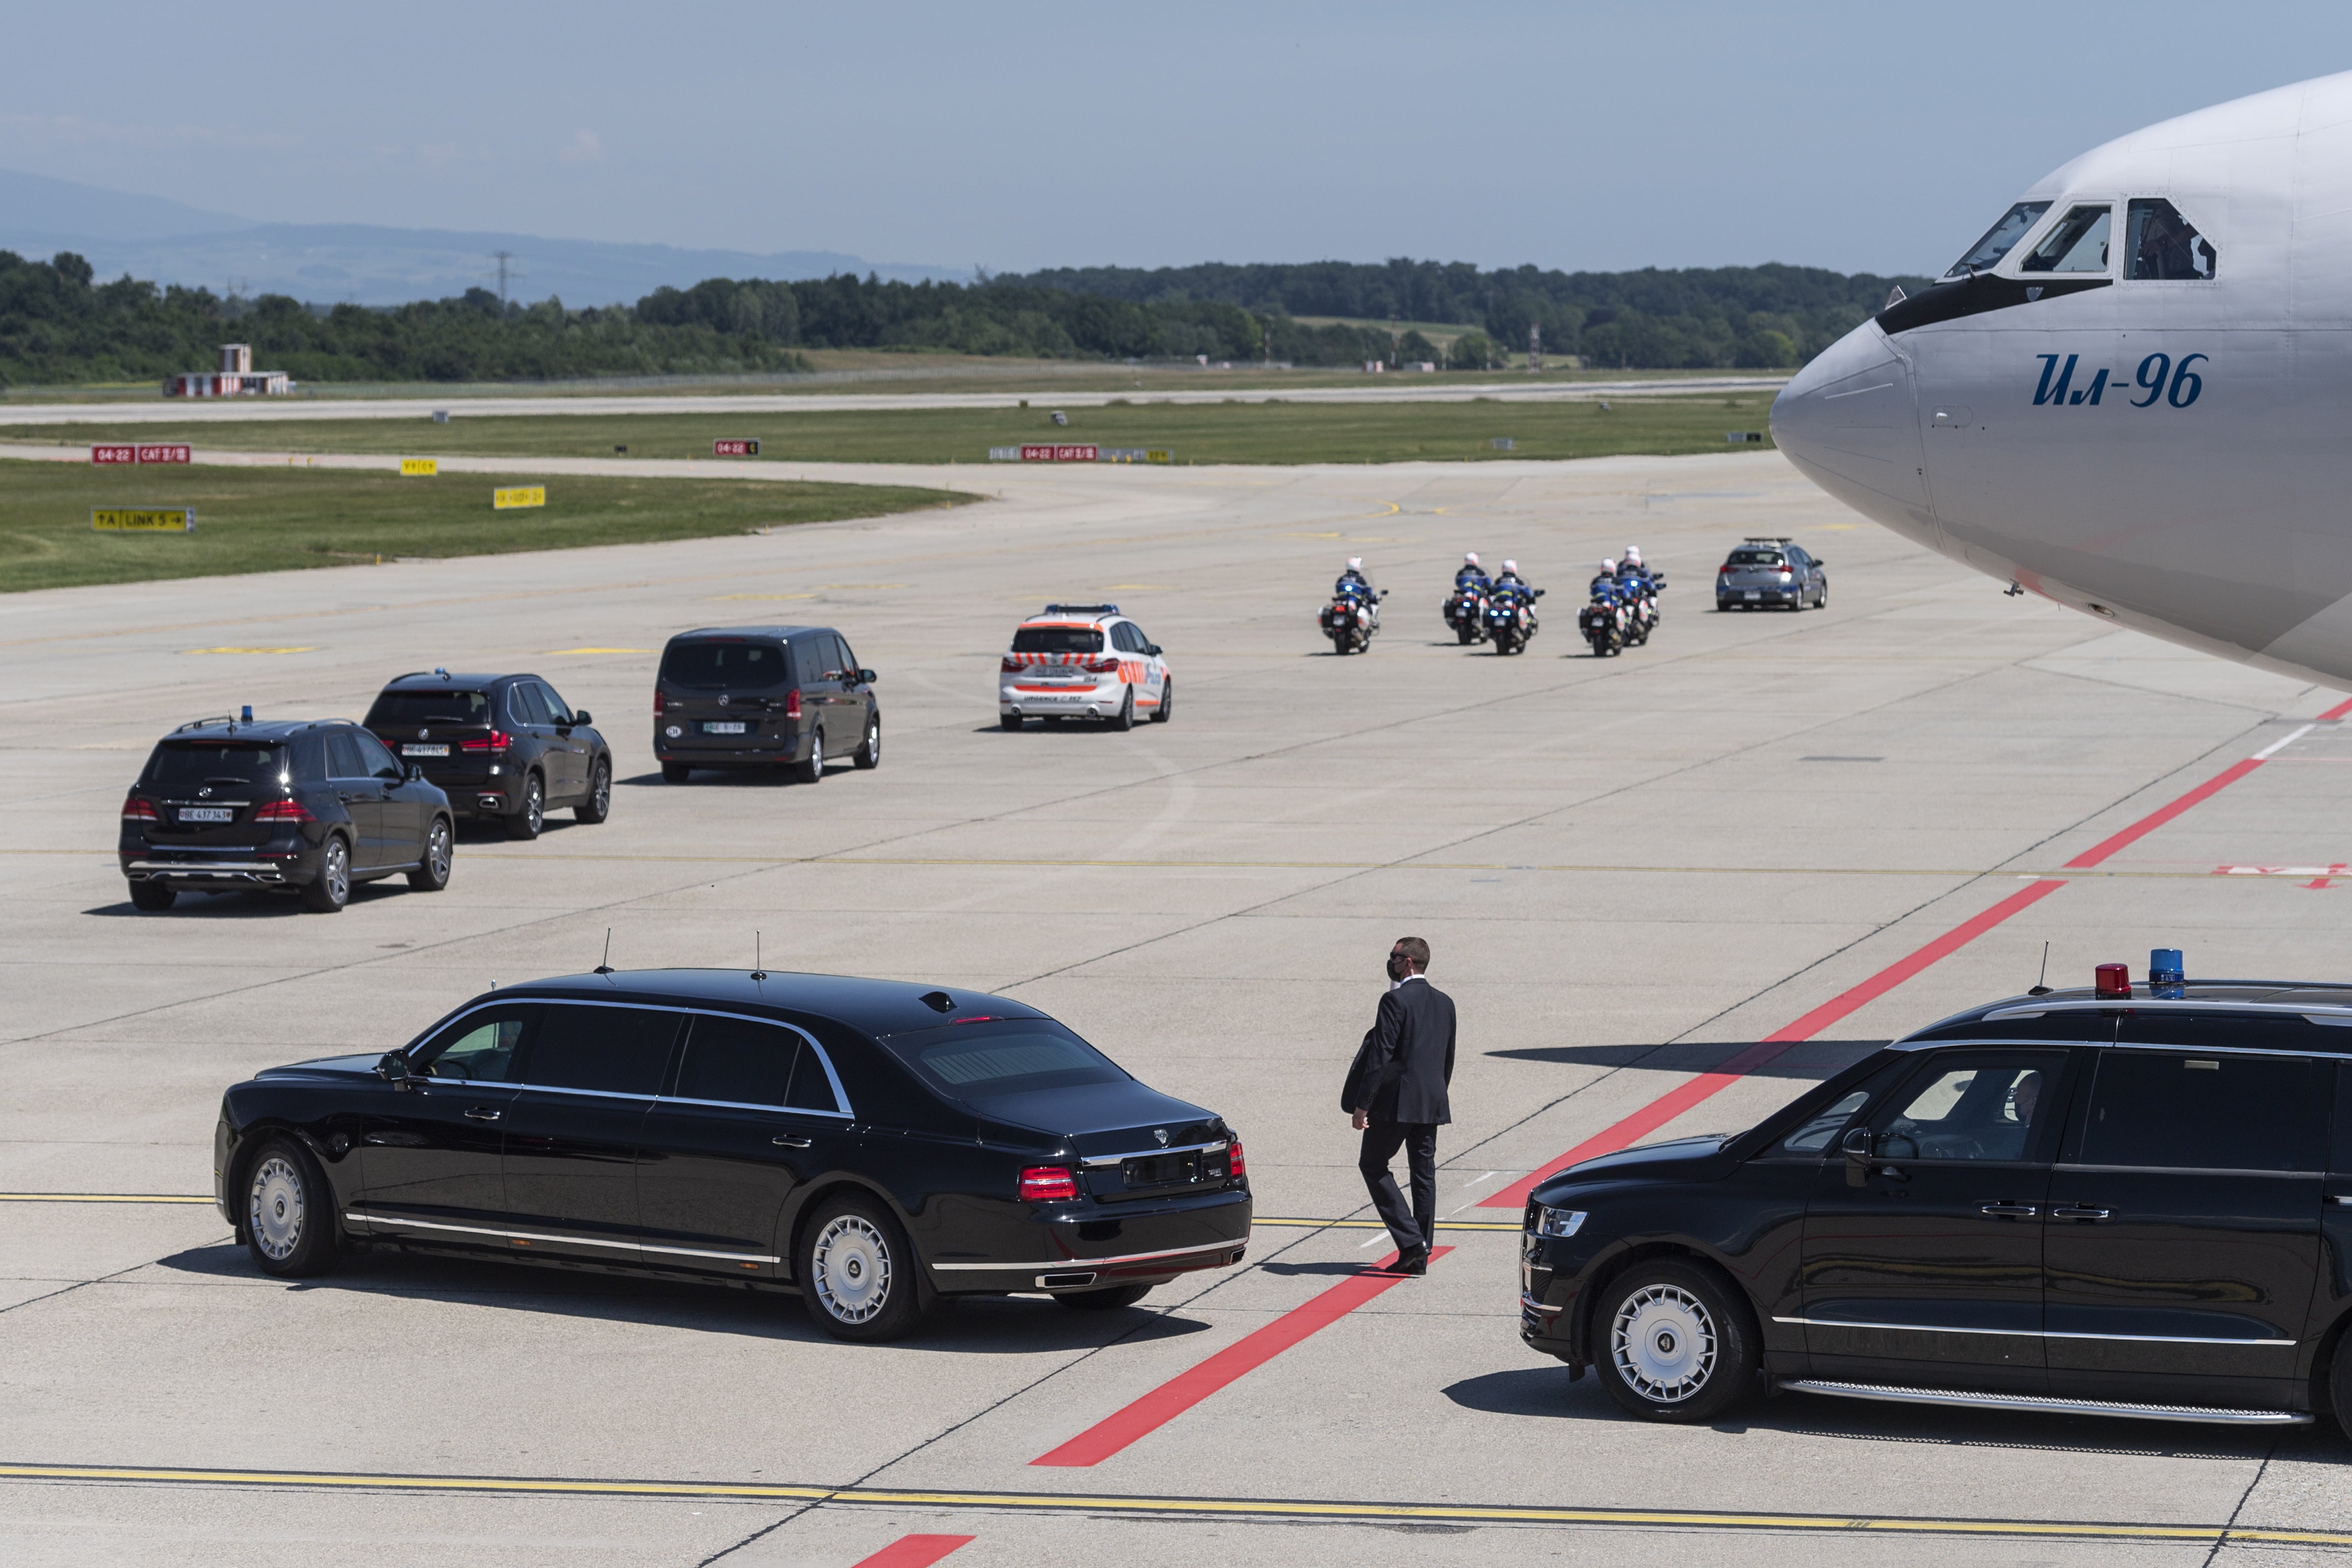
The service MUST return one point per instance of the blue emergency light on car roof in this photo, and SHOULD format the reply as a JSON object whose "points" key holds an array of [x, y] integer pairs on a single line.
{"points": [[1081, 609], [2167, 976]]}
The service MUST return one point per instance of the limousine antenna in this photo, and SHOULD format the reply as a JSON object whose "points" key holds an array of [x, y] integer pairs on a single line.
{"points": [[2042, 986], [606, 966], [759, 971]]}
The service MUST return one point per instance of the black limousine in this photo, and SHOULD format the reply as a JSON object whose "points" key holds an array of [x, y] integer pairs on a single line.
{"points": [[875, 1146], [2096, 1202]]}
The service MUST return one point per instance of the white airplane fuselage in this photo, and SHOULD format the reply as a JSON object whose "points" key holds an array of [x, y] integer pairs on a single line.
{"points": [[2153, 429]]}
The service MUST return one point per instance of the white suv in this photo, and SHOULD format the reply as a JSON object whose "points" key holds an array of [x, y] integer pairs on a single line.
{"points": [[1082, 661]]}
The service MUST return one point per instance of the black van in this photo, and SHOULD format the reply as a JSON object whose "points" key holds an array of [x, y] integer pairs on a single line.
{"points": [[757, 697], [2100, 1202]]}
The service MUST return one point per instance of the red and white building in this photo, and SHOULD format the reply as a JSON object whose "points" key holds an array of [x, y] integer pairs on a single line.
{"points": [[235, 378]]}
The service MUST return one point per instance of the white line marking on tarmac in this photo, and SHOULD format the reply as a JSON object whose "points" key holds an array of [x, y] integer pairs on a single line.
{"points": [[2277, 746]]}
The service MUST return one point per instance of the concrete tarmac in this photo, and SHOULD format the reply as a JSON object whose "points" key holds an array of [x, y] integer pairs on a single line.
{"points": [[1629, 869]]}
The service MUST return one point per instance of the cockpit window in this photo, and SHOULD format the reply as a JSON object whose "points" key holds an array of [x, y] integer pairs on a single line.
{"points": [[2161, 245], [1999, 238], [2079, 243]]}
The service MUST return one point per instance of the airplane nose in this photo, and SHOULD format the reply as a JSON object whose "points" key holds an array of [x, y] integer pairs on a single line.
{"points": [[1849, 421]]}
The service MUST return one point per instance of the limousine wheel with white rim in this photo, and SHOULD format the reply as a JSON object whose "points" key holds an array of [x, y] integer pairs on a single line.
{"points": [[1671, 1344], [290, 1212], [331, 889], [858, 1273]]}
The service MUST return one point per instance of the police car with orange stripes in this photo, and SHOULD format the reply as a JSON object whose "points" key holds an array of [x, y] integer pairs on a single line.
{"points": [[1082, 661]]}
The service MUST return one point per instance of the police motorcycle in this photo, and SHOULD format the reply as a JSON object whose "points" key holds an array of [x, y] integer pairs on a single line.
{"points": [[1607, 620], [1352, 617], [1466, 607], [1511, 612], [1640, 586]]}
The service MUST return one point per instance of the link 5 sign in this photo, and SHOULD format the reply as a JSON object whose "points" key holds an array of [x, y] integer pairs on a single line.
{"points": [[737, 448], [420, 467], [123, 454], [147, 519], [520, 495]]}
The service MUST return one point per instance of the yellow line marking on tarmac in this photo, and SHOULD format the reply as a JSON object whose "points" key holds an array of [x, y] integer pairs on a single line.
{"points": [[249, 650], [100, 1198], [2209, 1534]]}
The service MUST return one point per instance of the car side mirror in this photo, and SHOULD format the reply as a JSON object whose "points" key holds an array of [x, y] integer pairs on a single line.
{"points": [[393, 1068], [1151, 649], [1856, 1146], [415, 772], [866, 677], [582, 718]]}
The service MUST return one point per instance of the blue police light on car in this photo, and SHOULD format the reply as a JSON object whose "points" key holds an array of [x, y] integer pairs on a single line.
{"points": [[2167, 976]]}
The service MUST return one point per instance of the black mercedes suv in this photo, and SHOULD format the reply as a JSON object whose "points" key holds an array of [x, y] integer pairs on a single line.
{"points": [[871, 1145], [761, 696], [2095, 1202], [505, 747], [309, 806]]}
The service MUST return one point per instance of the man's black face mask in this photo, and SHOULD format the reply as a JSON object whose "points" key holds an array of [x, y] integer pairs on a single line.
{"points": [[1397, 970]]}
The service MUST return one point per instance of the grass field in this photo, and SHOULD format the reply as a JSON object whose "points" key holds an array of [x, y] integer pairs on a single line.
{"points": [[1196, 432], [262, 520]]}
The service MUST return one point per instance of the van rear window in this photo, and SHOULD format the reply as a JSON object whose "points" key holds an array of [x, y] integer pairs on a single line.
{"points": [[715, 666], [1058, 640], [183, 767], [396, 707]]}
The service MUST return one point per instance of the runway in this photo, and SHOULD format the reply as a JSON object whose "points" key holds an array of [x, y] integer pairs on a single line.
{"points": [[1667, 891], [1403, 389]]}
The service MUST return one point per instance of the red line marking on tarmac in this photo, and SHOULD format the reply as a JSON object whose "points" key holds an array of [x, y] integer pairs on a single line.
{"points": [[1673, 1102], [2337, 712], [1186, 1389], [916, 1551], [2164, 814]]}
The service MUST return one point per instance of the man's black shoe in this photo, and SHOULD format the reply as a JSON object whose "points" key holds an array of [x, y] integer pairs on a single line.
{"points": [[1413, 1262]]}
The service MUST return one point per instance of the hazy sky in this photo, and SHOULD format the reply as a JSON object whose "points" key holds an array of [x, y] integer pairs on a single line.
{"points": [[1575, 135]]}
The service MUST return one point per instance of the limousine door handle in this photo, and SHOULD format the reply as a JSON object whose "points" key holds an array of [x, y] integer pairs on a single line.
{"points": [[2008, 1211], [786, 1141], [476, 1114], [2079, 1210]]}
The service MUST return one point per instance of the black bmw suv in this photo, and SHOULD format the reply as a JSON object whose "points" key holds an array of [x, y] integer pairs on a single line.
{"points": [[310, 807], [2103, 1202], [505, 747], [758, 696]]}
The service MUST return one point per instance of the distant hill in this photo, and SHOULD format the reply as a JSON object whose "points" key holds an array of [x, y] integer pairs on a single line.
{"points": [[168, 242]]}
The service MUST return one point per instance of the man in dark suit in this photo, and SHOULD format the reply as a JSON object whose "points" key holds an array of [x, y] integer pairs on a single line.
{"points": [[1396, 1095]]}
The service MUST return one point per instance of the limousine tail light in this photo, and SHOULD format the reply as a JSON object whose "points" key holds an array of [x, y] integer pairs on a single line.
{"points": [[137, 810], [1048, 1184], [496, 740], [284, 811], [1234, 1166], [793, 703]]}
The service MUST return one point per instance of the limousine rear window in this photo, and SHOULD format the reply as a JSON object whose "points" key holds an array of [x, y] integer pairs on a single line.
{"points": [[1010, 1055], [603, 1049], [740, 1061], [180, 768], [722, 666]]}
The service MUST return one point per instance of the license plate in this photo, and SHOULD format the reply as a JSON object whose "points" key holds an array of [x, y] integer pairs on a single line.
{"points": [[1755, 593], [723, 727], [1160, 1171], [207, 814], [413, 750]]}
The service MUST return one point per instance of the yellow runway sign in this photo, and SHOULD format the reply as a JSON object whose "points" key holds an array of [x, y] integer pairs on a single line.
{"points": [[149, 519], [521, 495], [416, 468]]}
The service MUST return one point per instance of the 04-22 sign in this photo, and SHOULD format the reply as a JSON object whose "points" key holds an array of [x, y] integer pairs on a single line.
{"points": [[2177, 385]]}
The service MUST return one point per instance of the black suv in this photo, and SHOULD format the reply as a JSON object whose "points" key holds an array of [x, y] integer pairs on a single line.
{"points": [[750, 697], [311, 807], [505, 746], [2087, 1202]]}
